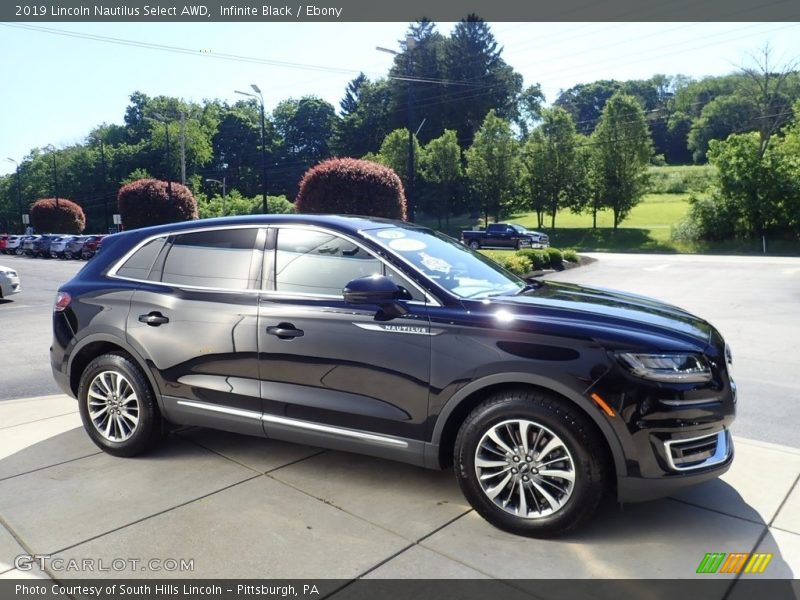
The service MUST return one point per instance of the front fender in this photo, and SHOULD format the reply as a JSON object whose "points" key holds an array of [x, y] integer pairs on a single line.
{"points": [[557, 387]]}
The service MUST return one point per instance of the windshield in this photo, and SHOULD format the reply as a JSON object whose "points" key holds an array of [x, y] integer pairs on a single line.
{"points": [[453, 266], [519, 228]]}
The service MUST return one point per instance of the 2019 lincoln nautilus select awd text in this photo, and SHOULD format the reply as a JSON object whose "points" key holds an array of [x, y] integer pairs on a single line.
{"points": [[387, 338]]}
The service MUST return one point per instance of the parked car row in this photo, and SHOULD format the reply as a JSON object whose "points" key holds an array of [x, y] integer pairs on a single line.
{"points": [[51, 245]]}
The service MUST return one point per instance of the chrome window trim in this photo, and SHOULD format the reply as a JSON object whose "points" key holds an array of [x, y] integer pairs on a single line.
{"points": [[112, 272], [721, 454]]}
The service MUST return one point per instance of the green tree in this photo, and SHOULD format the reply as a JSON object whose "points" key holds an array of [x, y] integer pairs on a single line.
{"points": [[481, 79], [493, 166], [622, 151], [304, 130], [719, 118], [756, 185], [550, 156], [365, 118], [441, 168], [394, 154]]}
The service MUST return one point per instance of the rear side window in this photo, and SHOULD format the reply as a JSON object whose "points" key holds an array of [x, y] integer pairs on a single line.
{"points": [[213, 259], [314, 262], [139, 264]]}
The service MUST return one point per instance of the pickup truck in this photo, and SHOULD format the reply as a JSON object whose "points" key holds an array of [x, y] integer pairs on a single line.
{"points": [[504, 235]]}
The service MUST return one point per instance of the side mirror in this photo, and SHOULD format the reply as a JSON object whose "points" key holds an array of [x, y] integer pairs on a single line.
{"points": [[373, 289], [376, 289]]}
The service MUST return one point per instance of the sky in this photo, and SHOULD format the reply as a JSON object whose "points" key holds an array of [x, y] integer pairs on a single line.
{"points": [[60, 80]]}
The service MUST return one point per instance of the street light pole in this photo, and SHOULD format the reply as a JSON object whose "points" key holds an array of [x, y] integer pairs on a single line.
{"points": [[104, 192], [19, 192], [224, 191], [410, 43], [260, 98]]}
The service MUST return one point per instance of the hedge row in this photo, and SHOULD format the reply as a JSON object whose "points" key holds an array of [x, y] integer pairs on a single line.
{"points": [[527, 260]]}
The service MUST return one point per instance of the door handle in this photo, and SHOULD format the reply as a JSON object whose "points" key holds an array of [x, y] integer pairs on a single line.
{"points": [[285, 331], [154, 319]]}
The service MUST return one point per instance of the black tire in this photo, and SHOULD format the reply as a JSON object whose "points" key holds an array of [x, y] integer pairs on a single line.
{"points": [[581, 448], [147, 432], [475, 245]]}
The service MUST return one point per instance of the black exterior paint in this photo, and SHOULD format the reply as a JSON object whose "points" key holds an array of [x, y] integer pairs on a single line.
{"points": [[400, 377]]}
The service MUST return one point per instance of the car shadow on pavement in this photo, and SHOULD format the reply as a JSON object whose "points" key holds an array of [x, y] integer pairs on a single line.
{"points": [[49, 499]]}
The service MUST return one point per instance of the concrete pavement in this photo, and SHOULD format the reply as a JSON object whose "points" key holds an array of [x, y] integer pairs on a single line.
{"points": [[242, 507]]}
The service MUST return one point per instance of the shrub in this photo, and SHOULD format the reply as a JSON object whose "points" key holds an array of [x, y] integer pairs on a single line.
{"points": [[353, 187], [709, 218], [236, 204], [63, 216], [517, 264], [571, 255], [147, 202], [554, 257], [538, 258]]}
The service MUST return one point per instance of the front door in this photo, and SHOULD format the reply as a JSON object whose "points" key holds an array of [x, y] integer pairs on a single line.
{"points": [[331, 371]]}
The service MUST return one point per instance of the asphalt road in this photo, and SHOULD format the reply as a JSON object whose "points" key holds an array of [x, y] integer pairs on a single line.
{"points": [[753, 301], [25, 330], [755, 304]]}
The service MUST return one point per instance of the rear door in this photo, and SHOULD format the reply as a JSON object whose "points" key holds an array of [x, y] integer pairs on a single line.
{"points": [[194, 319]]}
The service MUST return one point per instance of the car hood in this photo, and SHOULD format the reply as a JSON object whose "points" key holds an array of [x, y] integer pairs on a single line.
{"points": [[609, 313]]}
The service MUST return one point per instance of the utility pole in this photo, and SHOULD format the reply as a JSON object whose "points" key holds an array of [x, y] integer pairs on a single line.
{"points": [[162, 119], [411, 167], [103, 176], [183, 148]]}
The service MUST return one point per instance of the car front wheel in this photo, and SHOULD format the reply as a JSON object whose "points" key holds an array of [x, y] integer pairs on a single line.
{"points": [[530, 463], [118, 407]]}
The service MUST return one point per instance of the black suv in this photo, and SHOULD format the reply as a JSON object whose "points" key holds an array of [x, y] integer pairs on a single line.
{"points": [[390, 339]]}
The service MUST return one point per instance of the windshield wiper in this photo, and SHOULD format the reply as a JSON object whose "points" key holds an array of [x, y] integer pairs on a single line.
{"points": [[530, 286]]}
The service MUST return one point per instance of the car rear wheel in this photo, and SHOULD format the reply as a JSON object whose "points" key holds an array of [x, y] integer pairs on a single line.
{"points": [[475, 245], [118, 407], [530, 463]]}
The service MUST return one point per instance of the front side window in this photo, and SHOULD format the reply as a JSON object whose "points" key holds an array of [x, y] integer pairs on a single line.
{"points": [[319, 263], [221, 258]]}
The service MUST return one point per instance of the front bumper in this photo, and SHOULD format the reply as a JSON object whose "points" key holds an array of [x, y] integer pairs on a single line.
{"points": [[639, 489], [9, 285]]}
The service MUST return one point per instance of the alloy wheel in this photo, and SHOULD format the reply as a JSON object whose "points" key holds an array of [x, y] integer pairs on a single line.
{"points": [[113, 406], [525, 469]]}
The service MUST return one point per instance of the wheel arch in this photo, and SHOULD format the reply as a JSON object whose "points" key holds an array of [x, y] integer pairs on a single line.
{"points": [[467, 398], [93, 346]]}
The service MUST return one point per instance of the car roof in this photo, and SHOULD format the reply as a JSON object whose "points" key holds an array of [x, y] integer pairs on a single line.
{"points": [[343, 223]]}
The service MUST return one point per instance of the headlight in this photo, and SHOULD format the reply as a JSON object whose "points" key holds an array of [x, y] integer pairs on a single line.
{"points": [[9, 273], [670, 368]]}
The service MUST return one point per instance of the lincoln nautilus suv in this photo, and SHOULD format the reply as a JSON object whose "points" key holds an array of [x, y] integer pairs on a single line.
{"points": [[386, 338]]}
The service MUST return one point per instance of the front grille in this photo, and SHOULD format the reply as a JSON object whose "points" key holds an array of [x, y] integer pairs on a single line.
{"points": [[698, 453]]}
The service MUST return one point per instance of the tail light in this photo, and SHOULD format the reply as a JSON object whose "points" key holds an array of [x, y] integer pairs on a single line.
{"points": [[62, 301]]}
